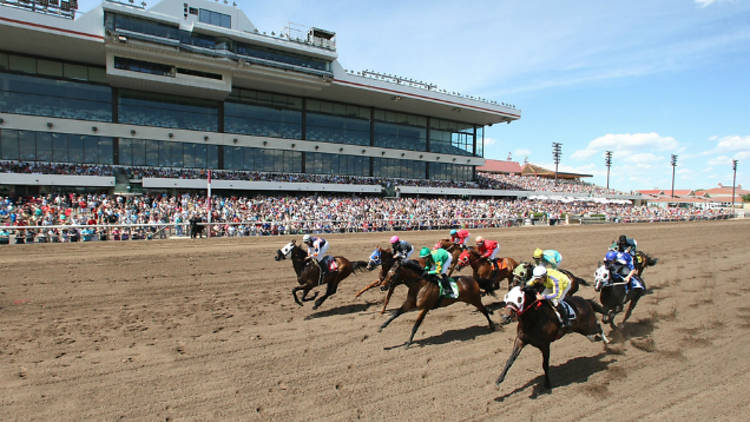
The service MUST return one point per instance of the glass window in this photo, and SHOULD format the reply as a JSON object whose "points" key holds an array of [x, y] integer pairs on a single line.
{"points": [[75, 71], [215, 18], [8, 144], [3, 61], [212, 156], [443, 171], [27, 145], [268, 54], [105, 150], [59, 147], [44, 146], [33, 95], [393, 168], [260, 120], [392, 135], [451, 137], [22, 64], [349, 165], [97, 74], [201, 156], [151, 109], [125, 151], [152, 153], [49, 68], [480, 141], [75, 148], [142, 26]]}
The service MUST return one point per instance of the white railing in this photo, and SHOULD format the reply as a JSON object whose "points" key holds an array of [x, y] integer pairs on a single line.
{"points": [[81, 232]]}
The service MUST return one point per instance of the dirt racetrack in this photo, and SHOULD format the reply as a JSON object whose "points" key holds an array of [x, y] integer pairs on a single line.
{"points": [[207, 330]]}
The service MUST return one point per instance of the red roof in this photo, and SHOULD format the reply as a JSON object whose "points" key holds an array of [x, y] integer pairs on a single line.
{"points": [[499, 166], [677, 192]]}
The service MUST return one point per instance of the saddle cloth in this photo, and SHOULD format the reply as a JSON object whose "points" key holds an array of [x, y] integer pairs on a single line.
{"points": [[331, 263], [571, 311], [453, 293]]}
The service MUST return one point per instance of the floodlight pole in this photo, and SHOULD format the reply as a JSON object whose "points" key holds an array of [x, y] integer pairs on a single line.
{"points": [[674, 166], [734, 180], [556, 153], [608, 162]]}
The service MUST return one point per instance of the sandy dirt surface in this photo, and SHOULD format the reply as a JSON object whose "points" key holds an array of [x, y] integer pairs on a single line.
{"points": [[203, 330]]}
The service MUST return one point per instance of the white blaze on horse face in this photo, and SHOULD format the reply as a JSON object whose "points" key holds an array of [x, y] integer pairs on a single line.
{"points": [[515, 298], [286, 250], [601, 277]]}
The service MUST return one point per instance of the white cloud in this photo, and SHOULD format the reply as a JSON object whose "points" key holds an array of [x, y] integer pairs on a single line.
{"points": [[734, 143], [489, 141], [521, 152], [627, 144], [705, 3], [720, 161]]}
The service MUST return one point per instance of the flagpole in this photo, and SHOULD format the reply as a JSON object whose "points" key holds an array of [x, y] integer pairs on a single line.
{"points": [[208, 203]]}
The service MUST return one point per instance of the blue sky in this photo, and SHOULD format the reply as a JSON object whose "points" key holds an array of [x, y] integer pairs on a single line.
{"points": [[644, 79]]}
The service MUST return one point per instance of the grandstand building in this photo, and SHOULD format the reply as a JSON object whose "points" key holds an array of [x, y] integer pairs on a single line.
{"points": [[193, 84]]}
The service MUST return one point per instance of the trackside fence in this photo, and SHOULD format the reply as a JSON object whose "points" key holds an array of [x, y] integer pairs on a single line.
{"points": [[120, 232]]}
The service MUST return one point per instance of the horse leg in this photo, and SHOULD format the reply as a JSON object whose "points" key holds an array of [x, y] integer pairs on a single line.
{"points": [[633, 302], [517, 346], [409, 303], [593, 337], [330, 289], [387, 298], [414, 329], [545, 365], [294, 293], [305, 291], [368, 287], [477, 302]]}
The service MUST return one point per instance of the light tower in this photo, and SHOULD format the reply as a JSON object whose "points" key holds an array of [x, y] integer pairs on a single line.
{"points": [[608, 162], [734, 179], [556, 153], [674, 166]]}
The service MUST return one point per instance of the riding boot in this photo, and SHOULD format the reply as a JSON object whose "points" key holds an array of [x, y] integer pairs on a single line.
{"points": [[445, 282]]}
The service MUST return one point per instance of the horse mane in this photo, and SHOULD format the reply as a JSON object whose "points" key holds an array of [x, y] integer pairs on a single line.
{"points": [[413, 266]]}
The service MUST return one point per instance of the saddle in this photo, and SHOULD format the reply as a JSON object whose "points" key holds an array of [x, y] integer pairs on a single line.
{"points": [[330, 263], [453, 292]]}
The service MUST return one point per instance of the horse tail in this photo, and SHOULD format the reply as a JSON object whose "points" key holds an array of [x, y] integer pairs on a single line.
{"points": [[651, 261], [359, 266], [597, 307]]}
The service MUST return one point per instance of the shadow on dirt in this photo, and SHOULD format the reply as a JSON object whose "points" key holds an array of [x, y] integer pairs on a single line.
{"points": [[448, 336], [632, 329], [341, 310], [575, 371]]}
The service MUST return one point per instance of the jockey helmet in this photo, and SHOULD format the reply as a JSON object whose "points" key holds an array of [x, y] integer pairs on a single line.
{"points": [[611, 256], [394, 239], [424, 252], [538, 253], [539, 272], [480, 240], [453, 232], [306, 238]]}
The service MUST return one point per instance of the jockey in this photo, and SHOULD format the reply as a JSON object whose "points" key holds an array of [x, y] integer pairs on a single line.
{"points": [[625, 244], [460, 237], [401, 248], [548, 258], [437, 263], [487, 248], [621, 263], [556, 288], [316, 249]]}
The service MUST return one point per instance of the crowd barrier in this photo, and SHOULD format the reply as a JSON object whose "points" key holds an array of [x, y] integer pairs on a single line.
{"points": [[119, 232]]}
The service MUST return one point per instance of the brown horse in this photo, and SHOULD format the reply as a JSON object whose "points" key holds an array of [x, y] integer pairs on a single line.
{"points": [[485, 273], [641, 260], [425, 295], [308, 272], [522, 274], [539, 326], [384, 258]]}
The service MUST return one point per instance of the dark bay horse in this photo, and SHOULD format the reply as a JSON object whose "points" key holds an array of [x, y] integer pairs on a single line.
{"points": [[425, 295], [484, 273], [308, 272], [641, 260], [384, 258], [539, 326], [614, 294], [522, 274]]}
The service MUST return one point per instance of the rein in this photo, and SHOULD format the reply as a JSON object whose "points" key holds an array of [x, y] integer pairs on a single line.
{"points": [[522, 311]]}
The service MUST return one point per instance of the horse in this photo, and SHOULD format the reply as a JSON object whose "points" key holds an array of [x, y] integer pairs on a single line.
{"points": [[539, 326], [487, 275], [308, 272], [641, 260], [522, 274], [614, 295], [384, 258], [425, 295]]}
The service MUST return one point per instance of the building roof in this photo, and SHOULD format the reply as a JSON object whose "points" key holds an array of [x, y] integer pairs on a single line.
{"points": [[500, 166], [668, 192], [535, 170]]}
